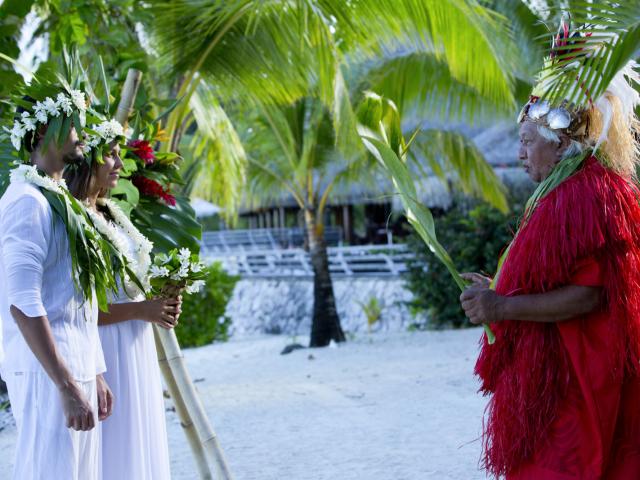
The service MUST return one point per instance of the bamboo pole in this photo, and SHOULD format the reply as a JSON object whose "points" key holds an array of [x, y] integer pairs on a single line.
{"points": [[181, 410], [200, 434], [128, 96], [208, 438], [125, 107]]}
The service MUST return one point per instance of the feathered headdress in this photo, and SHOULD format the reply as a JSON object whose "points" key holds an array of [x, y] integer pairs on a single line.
{"points": [[606, 123]]}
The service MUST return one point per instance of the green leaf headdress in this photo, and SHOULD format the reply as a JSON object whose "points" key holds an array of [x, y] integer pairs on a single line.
{"points": [[586, 89], [49, 99]]}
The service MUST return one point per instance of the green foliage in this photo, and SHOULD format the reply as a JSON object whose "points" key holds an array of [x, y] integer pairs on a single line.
{"points": [[372, 310], [610, 39], [380, 134], [475, 238], [203, 320], [168, 227]]}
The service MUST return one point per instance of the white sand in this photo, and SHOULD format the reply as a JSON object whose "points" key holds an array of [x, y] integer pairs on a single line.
{"points": [[390, 406]]}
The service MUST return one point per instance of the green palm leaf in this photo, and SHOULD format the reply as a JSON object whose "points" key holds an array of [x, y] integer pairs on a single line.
{"points": [[610, 40], [216, 161], [418, 215]]}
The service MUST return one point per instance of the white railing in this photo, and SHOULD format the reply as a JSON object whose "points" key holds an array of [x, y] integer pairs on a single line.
{"points": [[370, 260], [261, 239]]}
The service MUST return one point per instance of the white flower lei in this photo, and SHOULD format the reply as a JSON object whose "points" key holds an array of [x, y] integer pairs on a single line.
{"points": [[29, 174], [141, 262], [43, 110]]}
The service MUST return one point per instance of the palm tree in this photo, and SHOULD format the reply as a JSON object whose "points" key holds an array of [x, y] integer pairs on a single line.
{"points": [[276, 53], [289, 59], [292, 148]]}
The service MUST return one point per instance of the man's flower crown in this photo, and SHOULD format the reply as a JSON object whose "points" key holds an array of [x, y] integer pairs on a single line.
{"points": [[65, 103]]}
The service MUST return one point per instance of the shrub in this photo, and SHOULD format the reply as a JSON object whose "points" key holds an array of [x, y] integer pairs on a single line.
{"points": [[203, 320], [475, 238]]}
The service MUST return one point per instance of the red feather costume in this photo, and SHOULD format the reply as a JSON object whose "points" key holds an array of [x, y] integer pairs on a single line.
{"points": [[565, 396]]}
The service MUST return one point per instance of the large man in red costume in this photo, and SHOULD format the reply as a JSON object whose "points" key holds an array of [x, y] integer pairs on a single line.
{"points": [[564, 371]]}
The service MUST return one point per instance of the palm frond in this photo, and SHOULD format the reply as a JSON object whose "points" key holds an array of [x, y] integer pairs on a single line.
{"points": [[582, 70], [422, 86], [216, 155], [277, 50], [452, 156]]}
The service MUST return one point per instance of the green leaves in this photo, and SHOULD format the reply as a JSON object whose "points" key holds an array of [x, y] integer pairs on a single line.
{"points": [[168, 227], [91, 255], [381, 134], [418, 215], [583, 69], [217, 160], [128, 190]]}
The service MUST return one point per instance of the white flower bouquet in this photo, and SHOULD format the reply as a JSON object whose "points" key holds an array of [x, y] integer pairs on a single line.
{"points": [[177, 270]]}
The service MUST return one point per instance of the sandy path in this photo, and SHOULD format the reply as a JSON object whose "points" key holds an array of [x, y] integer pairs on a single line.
{"points": [[385, 407]]}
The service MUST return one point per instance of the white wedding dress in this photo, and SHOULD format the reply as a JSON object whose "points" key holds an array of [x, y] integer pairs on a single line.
{"points": [[134, 437]]}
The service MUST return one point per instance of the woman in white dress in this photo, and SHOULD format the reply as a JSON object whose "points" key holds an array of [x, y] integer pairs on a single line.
{"points": [[134, 438]]}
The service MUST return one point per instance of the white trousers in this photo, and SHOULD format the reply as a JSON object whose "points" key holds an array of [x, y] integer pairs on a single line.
{"points": [[46, 448]]}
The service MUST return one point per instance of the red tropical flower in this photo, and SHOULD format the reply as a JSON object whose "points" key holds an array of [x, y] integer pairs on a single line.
{"points": [[151, 188], [142, 149]]}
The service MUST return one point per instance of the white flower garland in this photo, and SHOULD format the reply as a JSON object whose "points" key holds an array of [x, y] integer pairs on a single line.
{"points": [[29, 174], [140, 261], [49, 107]]}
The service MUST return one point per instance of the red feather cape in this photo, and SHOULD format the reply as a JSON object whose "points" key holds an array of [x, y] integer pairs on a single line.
{"points": [[594, 214]]}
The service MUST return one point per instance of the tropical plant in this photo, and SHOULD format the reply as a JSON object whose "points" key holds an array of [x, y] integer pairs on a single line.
{"points": [[581, 68], [203, 318], [372, 310], [475, 236], [380, 132], [281, 52], [288, 60], [292, 149]]}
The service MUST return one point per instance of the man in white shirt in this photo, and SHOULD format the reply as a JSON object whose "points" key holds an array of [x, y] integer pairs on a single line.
{"points": [[52, 355]]}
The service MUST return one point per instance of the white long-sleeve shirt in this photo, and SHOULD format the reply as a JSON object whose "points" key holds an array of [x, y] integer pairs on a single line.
{"points": [[36, 277]]}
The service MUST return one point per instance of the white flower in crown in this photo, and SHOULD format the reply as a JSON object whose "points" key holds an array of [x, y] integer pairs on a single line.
{"points": [[65, 103], [197, 267], [195, 287], [28, 123], [51, 107], [106, 132], [184, 254], [79, 100], [157, 271], [40, 112], [16, 133]]}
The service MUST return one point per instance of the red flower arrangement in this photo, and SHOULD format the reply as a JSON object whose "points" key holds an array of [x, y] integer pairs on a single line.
{"points": [[142, 149], [151, 188]]}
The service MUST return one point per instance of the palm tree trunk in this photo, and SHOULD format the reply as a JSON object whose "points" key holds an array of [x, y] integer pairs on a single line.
{"points": [[325, 323]]}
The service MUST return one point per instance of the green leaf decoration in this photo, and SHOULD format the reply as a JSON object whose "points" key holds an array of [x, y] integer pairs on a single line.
{"points": [[53, 131], [418, 215], [582, 71]]}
